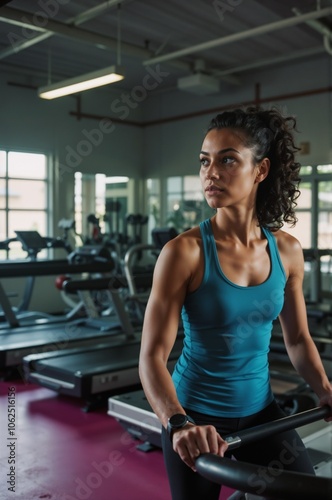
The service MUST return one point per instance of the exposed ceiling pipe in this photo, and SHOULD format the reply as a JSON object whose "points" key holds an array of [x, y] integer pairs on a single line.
{"points": [[235, 37], [211, 111], [15, 16], [313, 23], [62, 29], [19, 22], [268, 62], [322, 29], [327, 44], [24, 44], [95, 11], [76, 21]]}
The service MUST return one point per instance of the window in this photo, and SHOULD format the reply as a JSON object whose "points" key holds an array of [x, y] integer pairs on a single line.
{"points": [[324, 230], [153, 205], [118, 205], [104, 202], [314, 228], [325, 214], [23, 197], [78, 202], [186, 206], [314, 208], [89, 195], [324, 195]]}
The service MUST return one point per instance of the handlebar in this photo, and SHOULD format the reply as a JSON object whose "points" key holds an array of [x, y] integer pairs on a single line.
{"points": [[250, 478], [248, 436]]}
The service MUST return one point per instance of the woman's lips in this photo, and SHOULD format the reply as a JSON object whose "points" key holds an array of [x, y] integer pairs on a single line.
{"points": [[212, 189]]}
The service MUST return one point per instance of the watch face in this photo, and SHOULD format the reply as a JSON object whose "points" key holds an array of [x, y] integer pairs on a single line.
{"points": [[178, 420]]}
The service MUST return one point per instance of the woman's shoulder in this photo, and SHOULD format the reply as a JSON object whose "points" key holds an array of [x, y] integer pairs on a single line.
{"points": [[185, 241], [287, 242], [180, 257], [291, 252]]}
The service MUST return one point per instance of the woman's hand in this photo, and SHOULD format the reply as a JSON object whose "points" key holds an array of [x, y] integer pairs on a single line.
{"points": [[327, 400], [193, 440]]}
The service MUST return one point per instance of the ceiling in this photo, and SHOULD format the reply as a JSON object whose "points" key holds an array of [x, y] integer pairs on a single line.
{"points": [[51, 40]]}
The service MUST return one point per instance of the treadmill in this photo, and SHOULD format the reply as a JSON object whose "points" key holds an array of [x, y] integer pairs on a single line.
{"points": [[96, 372], [133, 411], [43, 335], [92, 329], [92, 374]]}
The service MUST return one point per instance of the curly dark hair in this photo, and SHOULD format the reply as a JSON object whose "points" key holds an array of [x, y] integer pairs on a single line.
{"points": [[270, 135]]}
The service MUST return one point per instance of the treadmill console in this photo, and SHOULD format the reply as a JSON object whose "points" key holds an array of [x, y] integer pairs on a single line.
{"points": [[32, 241]]}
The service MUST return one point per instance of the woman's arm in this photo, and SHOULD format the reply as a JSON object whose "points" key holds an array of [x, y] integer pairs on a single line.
{"points": [[160, 327], [173, 275], [301, 349]]}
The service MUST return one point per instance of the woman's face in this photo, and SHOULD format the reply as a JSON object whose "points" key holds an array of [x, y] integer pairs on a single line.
{"points": [[228, 173]]}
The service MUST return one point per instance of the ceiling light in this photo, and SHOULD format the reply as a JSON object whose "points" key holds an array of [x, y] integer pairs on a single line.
{"points": [[115, 179], [91, 80]]}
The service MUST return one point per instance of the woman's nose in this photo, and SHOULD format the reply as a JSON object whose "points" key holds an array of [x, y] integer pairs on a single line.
{"points": [[212, 172]]}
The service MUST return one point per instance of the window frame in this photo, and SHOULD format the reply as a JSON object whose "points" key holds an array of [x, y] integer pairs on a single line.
{"points": [[6, 210]]}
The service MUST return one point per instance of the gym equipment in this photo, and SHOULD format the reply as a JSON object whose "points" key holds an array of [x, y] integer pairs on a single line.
{"points": [[31, 269], [134, 413], [137, 221], [32, 243], [321, 334], [50, 334], [110, 286], [161, 235], [313, 256], [282, 485], [113, 208], [139, 278], [107, 367], [92, 374], [17, 343]]}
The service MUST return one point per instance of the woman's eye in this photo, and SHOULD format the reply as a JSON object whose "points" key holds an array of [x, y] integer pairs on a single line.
{"points": [[203, 162], [227, 159]]}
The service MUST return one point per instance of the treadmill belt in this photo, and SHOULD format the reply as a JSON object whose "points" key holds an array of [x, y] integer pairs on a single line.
{"points": [[90, 362], [104, 369], [21, 342]]}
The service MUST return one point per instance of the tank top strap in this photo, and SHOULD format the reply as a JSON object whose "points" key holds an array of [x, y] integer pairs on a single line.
{"points": [[211, 263], [206, 231], [276, 262]]}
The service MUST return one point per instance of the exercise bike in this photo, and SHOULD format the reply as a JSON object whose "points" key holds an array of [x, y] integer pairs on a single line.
{"points": [[285, 485]]}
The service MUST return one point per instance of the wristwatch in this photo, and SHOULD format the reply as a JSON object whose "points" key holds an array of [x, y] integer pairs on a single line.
{"points": [[176, 422]]}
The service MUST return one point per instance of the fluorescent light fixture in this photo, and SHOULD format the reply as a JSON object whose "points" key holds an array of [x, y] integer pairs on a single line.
{"points": [[115, 179], [91, 80]]}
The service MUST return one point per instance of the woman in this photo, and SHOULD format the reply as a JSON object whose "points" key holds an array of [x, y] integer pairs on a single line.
{"points": [[230, 278]]}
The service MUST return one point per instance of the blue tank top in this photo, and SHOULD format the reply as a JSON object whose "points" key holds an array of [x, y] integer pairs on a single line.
{"points": [[223, 369]]}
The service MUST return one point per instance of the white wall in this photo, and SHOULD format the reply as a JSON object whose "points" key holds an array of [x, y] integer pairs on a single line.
{"points": [[172, 147], [29, 122]]}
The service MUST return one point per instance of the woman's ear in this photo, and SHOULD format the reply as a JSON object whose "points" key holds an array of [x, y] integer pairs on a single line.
{"points": [[263, 170]]}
